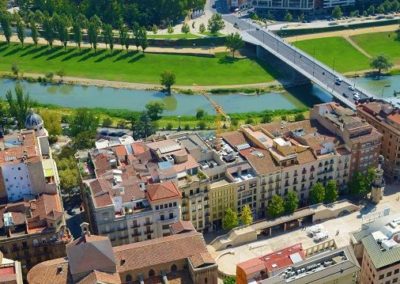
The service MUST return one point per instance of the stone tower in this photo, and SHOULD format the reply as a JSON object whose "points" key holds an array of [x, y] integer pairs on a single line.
{"points": [[378, 185]]}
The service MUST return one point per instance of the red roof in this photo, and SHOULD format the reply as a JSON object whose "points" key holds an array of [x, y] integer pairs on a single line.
{"points": [[273, 261], [162, 191]]}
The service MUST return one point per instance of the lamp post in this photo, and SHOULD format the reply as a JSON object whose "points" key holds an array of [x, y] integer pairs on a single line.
{"points": [[179, 123]]}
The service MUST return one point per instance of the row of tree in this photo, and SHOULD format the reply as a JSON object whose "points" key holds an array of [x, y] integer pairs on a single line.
{"points": [[64, 29], [113, 12], [232, 220]]}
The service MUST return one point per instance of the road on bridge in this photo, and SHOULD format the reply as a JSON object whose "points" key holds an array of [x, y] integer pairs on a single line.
{"points": [[336, 84]]}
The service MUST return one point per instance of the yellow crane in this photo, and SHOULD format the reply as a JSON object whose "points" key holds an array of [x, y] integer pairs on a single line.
{"points": [[219, 125]]}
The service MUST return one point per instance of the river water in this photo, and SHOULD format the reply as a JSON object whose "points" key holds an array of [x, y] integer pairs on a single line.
{"points": [[179, 104]]}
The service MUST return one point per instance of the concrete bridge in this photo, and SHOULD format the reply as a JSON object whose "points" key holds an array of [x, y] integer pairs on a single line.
{"points": [[340, 87]]}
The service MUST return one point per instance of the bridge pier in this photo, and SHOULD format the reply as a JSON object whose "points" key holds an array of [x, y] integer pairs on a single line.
{"points": [[290, 77]]}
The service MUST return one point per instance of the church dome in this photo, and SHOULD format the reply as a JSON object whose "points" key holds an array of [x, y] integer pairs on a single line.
{"points": [[33, 121]]}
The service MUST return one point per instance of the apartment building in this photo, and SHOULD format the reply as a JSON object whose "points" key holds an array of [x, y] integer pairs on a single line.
{"points": [[386, 119], [359, 137], [32, 223], [298, 6], [377, 246], [10, 271], [181, 257], [290, 157]]}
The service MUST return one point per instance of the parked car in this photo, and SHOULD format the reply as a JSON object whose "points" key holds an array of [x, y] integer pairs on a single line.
{"points": [[320, 237]]}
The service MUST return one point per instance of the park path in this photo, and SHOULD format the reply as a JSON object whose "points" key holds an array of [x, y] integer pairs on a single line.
{"points": [[356, 46], [198, 50], [343, 33]]}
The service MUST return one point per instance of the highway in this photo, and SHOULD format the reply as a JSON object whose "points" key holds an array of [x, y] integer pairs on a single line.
{"points": [[340, 87]]}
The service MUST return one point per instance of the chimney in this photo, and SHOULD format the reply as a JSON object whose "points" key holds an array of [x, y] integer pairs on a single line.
{"points": [[85, 229]]}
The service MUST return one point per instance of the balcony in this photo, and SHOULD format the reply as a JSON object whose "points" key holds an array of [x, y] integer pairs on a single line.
{"points": [[122, 229], [172, 220], [136, 234], [148, 224], [148, 232], [135, 226]]}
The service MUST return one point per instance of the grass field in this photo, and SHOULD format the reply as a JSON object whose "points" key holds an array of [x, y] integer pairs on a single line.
{"points": [[134, 66], [335, 52], [380, 43]]}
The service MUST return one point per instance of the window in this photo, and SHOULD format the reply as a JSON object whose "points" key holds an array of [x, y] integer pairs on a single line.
{"points": [[389, 274], [381, 276], [128, 278], [395, 280], [174, 268], [162, 217], [396, 271], [157, 207], [151, 273], [171, 215]]}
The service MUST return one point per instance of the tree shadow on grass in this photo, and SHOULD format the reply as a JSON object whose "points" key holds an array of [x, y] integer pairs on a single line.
{"points": [[31, 51], [15, 49], [92, 54], [77, 53], [136, 58], [3, 47], [108, 55], [47, 52], [227, 60], [58, 54], [125, 55]]}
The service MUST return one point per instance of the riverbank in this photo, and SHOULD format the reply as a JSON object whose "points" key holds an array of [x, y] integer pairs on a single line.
{"points": [[185, 89]]}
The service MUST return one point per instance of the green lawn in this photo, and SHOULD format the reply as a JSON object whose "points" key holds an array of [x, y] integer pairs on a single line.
{"points": [[172, 36], [335, 52], [380, 43], [134, 66]]}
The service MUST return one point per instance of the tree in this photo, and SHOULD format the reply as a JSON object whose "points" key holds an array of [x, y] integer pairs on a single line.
{"points": [[266, 118], [154, 110], [48, 31], [107, 122], [371, 10], [167, 80], [215, 23], [247, 216], [61, 24], [21, 32], [185, 28], [200, 113], [230, 219], [136, 35], [202, 28], [358, 185], [143, 127], [154, 29], [69, 174], [291, 202], [18, 106], [34, 32], [201, 125], [288, 17], [299, 117], [5, 21], [93, 31], [229, 280], [380, 9], [123, 35], [108, 36], [15, 69], [276, 207], [381, 62], [60, 73], [77, 33], [317, 193], [143, 39], [234, 42], [83, 121], [170, 29], [52, 121], [337, 12], [331, 191]]}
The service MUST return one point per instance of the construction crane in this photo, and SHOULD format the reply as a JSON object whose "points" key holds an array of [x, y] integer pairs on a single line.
{"points": [[218, 120]]}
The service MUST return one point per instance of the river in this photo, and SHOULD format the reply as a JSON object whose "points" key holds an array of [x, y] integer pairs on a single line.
{"points": [[75, 96]]}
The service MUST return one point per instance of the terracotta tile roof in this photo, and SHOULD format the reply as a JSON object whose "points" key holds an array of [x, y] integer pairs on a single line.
{"points": [[305, 157], [90, 252], [15, 146], [260, 160], [120, 151], [51, 271], [182, 227], [200, 259], [101, 277], [153, 252], [162, 191], [234, 138]]}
